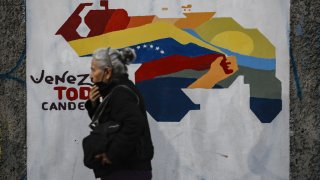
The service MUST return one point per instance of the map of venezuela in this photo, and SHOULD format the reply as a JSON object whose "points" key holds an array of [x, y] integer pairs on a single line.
{"points": [[197, 51]]}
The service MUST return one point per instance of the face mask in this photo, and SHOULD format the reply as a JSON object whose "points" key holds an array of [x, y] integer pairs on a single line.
{"points": [[102, 88]]}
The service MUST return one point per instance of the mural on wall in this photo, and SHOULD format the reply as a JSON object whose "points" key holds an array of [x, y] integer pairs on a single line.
{"points": [[213, 73], [199, 51]]}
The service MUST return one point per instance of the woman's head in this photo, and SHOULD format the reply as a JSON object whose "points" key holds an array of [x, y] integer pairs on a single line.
{"points": [[110, 63]]}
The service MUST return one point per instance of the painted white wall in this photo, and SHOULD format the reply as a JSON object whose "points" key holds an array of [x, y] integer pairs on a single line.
{"points": [[223, 140]]}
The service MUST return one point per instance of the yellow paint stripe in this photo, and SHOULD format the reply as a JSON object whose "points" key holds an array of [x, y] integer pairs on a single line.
{"points": [[263, 48], [167, 20], [132, 36]]}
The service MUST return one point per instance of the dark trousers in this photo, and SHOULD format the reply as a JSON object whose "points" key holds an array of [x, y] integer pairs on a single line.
{"points": [[129, 175]]}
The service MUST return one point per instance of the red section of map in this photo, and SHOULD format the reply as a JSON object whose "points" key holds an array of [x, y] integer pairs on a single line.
{"points": [[98, 21], [172, 64], [118, 21], [68, 29], [97, 25]]}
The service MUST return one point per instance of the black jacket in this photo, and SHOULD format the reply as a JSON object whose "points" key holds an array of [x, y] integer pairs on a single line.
{"points": [[131, 147]]}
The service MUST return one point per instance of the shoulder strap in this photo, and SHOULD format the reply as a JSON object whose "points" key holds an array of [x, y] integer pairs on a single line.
{"points": [[128, 88], [102, 106]]}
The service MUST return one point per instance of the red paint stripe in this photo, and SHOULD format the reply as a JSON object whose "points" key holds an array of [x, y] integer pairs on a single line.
{"points": [[173, 64]]}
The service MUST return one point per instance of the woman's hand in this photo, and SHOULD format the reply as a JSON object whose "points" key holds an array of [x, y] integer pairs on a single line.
{"points": [[94, 95], [103, 158]]}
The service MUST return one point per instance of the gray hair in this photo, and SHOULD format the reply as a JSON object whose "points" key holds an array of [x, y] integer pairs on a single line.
{"points": [[115, 59]]}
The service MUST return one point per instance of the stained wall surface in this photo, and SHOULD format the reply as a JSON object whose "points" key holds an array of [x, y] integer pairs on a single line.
{"points": [[304, 90]]}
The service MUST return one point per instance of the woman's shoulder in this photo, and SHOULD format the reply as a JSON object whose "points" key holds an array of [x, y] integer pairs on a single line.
{"points": [[124, 92]]}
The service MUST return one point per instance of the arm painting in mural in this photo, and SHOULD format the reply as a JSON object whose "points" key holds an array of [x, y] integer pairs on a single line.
{"points": [[216, 73]]}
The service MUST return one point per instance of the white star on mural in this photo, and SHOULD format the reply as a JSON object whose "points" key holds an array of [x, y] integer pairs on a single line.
{"points": [[138, 47], [162, 52], [157, 48], [151, 46], [144, 46]]}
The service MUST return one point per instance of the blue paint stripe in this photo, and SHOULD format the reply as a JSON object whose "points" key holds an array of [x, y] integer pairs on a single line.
{"points": [[299, 30], [243, 60], [164, 99], [252, 62], [6, 76], [23, 177], [19, 62], [161, 48], [295, 73], [193, 33], [168, 47], [265, 109]]}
